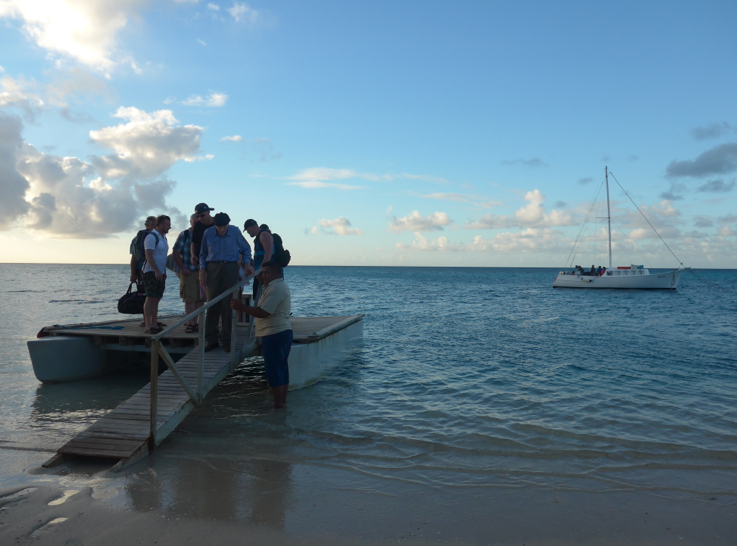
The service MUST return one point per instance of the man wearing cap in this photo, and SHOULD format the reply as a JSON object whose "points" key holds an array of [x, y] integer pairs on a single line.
{"points": [[221, 250], [263, 247], [204, 221]]}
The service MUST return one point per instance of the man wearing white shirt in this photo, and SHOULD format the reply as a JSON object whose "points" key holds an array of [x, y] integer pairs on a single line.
{"points": [[154, 272]]}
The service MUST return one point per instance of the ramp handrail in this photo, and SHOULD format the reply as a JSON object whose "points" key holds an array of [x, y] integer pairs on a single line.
{"points": [[159, 350]]}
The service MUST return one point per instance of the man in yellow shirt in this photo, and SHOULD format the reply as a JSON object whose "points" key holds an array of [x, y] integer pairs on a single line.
{"points": [[274, 328]]}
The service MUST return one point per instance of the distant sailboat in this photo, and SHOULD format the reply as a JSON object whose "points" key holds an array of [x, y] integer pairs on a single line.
{"points": [[633, 276]]}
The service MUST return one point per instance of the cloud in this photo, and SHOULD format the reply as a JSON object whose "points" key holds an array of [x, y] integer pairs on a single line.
{"points": [[425, 177], [213, 100], [264, 149], [461, 198], [213, 7], [147, 145], [716, 186], [586, 180], [15, 94], [316, 184], [713, 130], [63, 197], [703, 221], [339, 226], [726, 231], [531, 215], [674, 193], [84, 31], [201, 42], [721, 159], [234, 138], [530, 240], [441, 244], [14, 186], [243, 13], [535, 162], [728, 219], [76, 85], [416, 222]]}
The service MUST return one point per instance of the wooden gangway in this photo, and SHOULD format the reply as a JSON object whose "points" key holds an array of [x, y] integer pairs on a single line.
{"points": [[138, 425]]}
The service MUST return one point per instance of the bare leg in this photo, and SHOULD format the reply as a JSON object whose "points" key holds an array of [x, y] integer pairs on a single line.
{"points": [[151, 311], [277, 394], [195, 321], [285, 390], [189, 308]]}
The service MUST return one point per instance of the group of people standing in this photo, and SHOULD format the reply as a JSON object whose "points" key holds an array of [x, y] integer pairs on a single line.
{"points": [[212, 257]]}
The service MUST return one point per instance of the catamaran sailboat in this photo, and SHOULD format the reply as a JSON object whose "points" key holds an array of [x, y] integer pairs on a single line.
{"points": [[633, 276]]}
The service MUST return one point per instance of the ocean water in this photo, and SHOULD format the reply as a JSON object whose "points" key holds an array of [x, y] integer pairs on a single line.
{"points": [[467, 378]]}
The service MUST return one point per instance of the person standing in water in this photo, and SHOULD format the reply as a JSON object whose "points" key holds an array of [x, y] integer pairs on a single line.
{"points": [[274, 329]]}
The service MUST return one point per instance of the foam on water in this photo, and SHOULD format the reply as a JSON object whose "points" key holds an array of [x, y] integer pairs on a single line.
{"points": [[466, 378]]}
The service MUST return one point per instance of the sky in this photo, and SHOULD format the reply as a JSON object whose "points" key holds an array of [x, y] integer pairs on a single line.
{"points": [[388, 133]]}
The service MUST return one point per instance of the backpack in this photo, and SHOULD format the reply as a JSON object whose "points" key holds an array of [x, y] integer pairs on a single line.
{"points": [[140, 253], [281, 255]]}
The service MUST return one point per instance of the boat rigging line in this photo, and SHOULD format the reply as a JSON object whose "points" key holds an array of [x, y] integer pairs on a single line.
{"points": [[583, 226], [648, 221]]}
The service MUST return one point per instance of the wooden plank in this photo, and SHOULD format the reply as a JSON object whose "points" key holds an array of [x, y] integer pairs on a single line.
{"points": [[128, 446], [95, 453]]}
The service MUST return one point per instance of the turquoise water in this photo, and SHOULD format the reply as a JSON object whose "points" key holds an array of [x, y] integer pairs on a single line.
{"points": [[478, 377]]}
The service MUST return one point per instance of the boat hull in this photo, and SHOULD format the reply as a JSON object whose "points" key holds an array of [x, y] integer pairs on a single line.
{"points": [[311, 362], [66, 358], [667, 280]]}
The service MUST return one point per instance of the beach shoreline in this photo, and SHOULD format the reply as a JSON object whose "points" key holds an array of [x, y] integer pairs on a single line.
{"points": [[272, 503]]}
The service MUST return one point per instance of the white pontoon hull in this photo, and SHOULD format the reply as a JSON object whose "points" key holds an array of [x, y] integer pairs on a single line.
{"points": [[645, 280]]}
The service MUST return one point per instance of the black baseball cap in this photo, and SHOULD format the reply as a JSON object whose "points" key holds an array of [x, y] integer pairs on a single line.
{"points": [[221, 219], [250, 222], [202, 207]]}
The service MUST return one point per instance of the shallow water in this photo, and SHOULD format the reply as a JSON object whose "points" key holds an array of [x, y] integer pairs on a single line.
{"points": [[467, 378]]}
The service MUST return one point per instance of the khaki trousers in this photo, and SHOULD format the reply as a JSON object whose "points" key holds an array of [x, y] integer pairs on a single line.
{"points": [[220, 278]]}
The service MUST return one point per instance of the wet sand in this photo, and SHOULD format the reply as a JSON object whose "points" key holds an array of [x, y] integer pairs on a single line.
{"points": [[176, 498]]}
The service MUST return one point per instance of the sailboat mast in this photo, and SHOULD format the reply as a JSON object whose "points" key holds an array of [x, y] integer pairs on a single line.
{"points": [[608, 216]]}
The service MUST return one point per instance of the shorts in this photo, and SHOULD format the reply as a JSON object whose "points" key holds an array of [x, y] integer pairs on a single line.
{"points": [[189, 287], [154, 288], [275, 350]]}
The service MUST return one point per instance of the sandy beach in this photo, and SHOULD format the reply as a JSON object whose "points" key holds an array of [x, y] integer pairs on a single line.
{"points": [[219, 498]]}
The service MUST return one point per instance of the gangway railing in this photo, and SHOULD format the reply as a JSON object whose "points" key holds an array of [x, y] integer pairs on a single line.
{"points": [[158, 349]]}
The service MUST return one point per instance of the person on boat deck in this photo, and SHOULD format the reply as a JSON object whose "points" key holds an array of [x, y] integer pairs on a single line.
{"points": [[580, 270], [603, 271], [154, 272], [592, 271], [274, 328], [223, 247], [204, 221], [263, 246], [189, 285], [136, 265], [598, 271]]}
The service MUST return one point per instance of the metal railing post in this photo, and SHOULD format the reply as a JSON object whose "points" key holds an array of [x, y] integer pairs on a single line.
{"points": [[233, 334], [201, 367], [154, 393]]}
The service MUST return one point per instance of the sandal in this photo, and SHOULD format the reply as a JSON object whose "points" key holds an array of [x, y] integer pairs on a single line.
{"points": [[190, 329], [153, 331], [161, 325]]}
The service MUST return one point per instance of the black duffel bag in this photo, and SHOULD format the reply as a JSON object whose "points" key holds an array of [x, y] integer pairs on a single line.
{"points": [[132, 302]]}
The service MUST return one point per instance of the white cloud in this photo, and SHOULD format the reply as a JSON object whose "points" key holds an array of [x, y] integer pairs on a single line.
{"points": [[531, 215], [213, 7], [339, 226], [65, 196], [243, 13], [147, 145], [425, 177], [201, 42], [416, 222], [213, 100], [324, 173], [15, 93], [726, 231], [316, 184], [461, 198], [441, 244], [234, 138], [82, 30]]}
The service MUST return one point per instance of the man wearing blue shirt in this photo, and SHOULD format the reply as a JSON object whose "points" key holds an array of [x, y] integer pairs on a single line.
{"points": [[223, 247]]}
